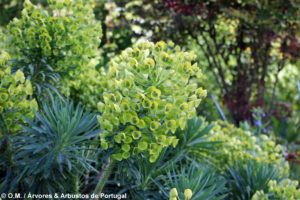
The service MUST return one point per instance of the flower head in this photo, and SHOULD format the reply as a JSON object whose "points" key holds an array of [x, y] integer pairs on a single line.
{"points": [[149, 98]]}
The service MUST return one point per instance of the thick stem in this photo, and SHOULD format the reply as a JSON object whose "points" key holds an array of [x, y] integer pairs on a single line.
{"points": [[262, 82], [104, 175]]}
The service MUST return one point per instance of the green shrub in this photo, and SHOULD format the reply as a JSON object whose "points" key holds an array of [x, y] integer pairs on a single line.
{"points": [[54, 150], [142, 178], [195, 140], [197, 182], [244, 179], [60, 40], [150, 90], [87, 87], [15, 98], [285, 189], [240, 145]]}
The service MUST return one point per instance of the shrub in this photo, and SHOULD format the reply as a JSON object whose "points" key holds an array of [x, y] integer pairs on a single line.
{"points": [[15, 98], [195, 182], [240, 145], [53, 150], [243, 180], [15, 103], [195, 140], [60, 40], [150, 90], [142, 179], [87, 87], [285, 189]]}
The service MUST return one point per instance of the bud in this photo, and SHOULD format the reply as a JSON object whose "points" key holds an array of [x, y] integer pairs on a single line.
{"points": [[188, 194], [142, 146], [126, 147], [125, 155], [19, 77], [154, 125], [173, 193], [136, 134]]}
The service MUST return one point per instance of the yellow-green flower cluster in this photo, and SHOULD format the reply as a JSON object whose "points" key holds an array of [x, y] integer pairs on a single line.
{"points": [[285, 189], [241, 145], [188, 193], [15, 98], [87, 87], [151, 90], [66, 35]]}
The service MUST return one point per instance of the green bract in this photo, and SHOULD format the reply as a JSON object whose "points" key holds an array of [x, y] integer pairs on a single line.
{"points": [[241, 145], [62, 38], [15, 98], [285, 189], [150, 90], [87, 87]]}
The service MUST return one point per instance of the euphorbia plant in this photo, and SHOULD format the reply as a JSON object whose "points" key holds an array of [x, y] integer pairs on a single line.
{"points": [[53, 151], [240, 144], [15, 103], [285, 189], [150, 91], [60, 40], [15, 98]]}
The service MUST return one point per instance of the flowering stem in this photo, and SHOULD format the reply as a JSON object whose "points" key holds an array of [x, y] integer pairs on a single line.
{"points": [[104, 175]]}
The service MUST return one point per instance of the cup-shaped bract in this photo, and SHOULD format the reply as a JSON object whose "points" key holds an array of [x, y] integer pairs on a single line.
{"points": [[151, 90], [16, 100], [284, 189], [242, 145], [62, 38]]}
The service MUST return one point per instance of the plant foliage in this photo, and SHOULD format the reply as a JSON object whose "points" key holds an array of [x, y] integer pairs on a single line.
{"points": [[150, 136], [244, 180], [150, 91], [15, 98], [243, 145], [203, 181], [53, 150], [59, 40], [285, 189]]}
